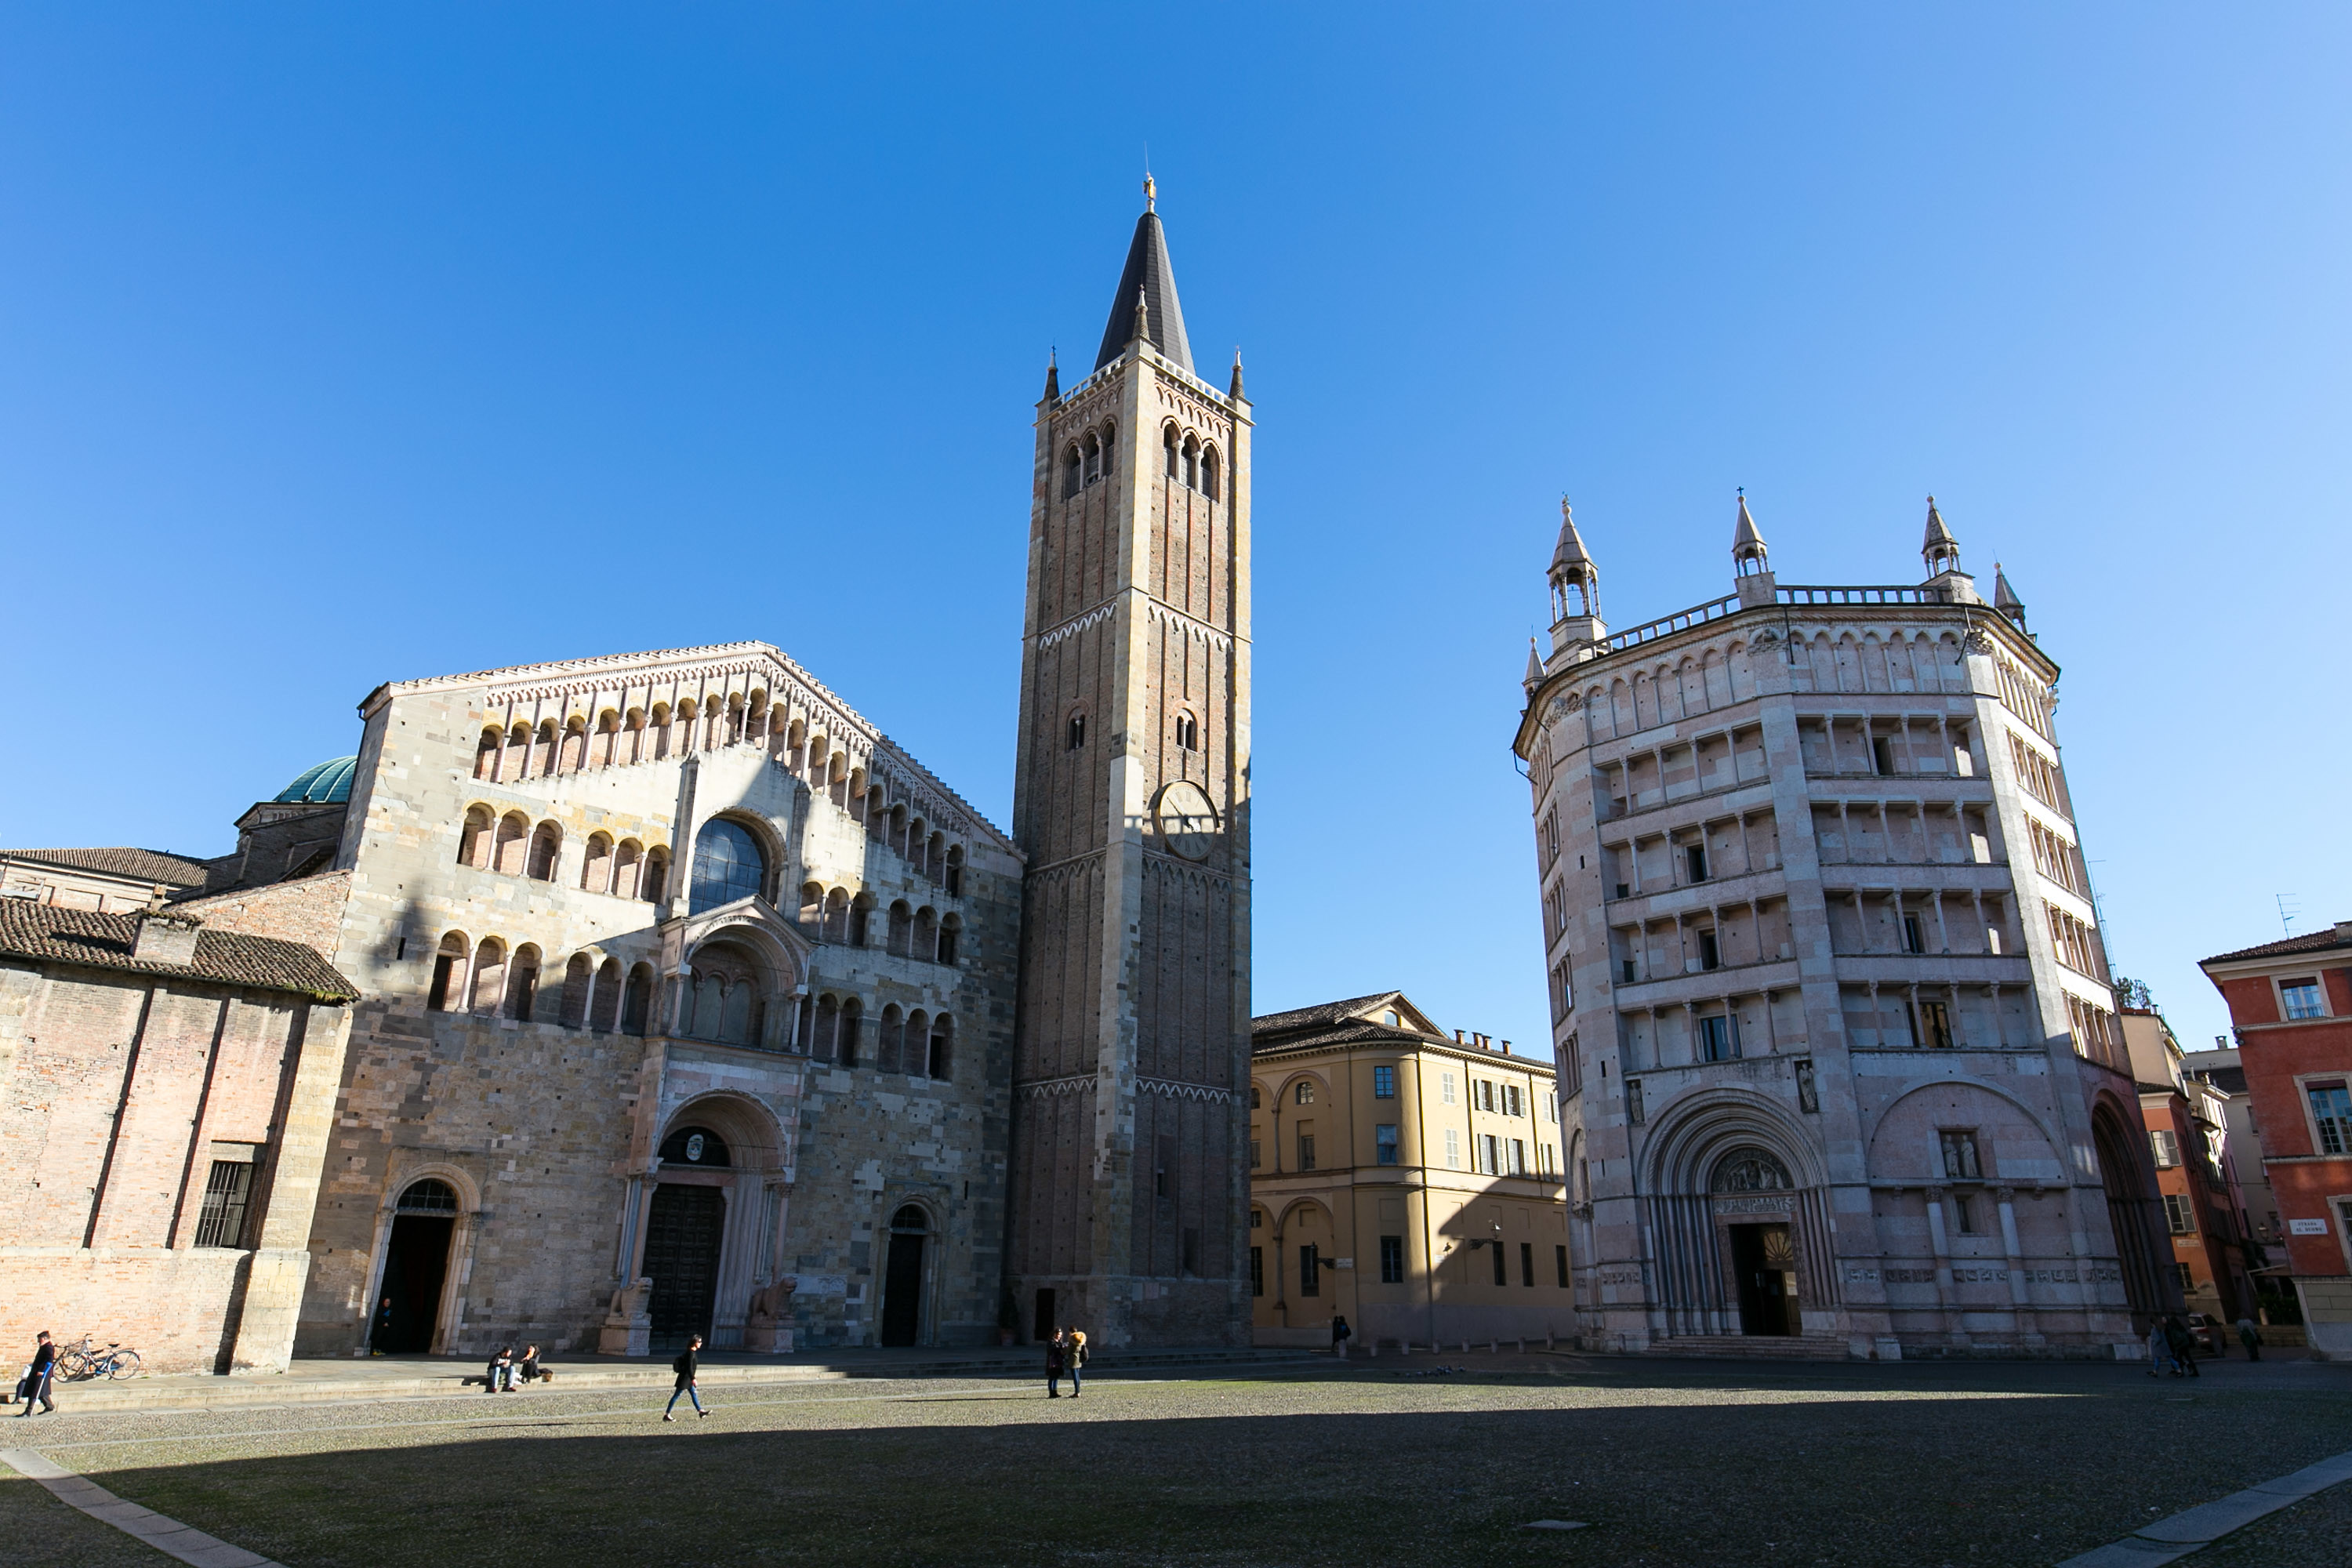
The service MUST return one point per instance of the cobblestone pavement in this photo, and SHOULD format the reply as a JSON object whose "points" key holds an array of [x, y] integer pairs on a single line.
{"points": [[1388, 1461]]}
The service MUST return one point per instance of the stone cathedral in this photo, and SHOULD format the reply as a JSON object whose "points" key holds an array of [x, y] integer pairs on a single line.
{"points": [[690, 1002]]}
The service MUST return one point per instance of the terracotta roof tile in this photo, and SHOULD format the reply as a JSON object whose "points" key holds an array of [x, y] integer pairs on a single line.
{"points": [[140, 865], [1321, 1013], [2312, 941], [30, 931]]}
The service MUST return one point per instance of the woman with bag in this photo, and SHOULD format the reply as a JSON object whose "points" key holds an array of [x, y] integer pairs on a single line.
{"points": [[686, 1364]]}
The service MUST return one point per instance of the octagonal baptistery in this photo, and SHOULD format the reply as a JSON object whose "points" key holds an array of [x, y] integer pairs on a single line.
{"points": [[1840, 1071], [687, 1007]]}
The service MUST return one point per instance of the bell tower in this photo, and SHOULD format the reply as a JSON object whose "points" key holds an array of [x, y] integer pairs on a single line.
{"points": [[1129, 1181]]}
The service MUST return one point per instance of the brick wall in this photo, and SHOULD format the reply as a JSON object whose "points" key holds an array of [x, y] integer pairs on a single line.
{"points": [[310, 911]]}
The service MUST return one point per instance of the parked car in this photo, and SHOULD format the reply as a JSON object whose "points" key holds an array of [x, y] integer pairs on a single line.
{"points": [[2206, 1332]]}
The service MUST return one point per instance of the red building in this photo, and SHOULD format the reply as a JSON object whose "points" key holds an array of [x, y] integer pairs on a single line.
{"points": [[2195, 1171], [2291, 1002]]}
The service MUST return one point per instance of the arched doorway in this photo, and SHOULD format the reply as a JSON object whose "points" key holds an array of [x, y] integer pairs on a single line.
{"points": [[682, 1237], [1763, 1250], [415, 1266], [2130, 1216], [902, 1280]]}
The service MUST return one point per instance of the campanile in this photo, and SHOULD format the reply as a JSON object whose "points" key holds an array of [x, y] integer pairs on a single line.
{"points": [[1129, 1181]]}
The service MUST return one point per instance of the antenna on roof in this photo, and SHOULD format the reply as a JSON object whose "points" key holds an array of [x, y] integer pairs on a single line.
{"points": [[2290, 911]]}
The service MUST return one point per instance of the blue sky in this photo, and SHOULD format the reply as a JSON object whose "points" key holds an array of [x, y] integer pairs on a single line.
{"points": [[346, 344]]}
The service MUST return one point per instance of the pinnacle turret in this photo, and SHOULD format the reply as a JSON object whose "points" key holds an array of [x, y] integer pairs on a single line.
{"points": [[2004, 597], [1747, 549], [1573, 570], [1938, 549]]}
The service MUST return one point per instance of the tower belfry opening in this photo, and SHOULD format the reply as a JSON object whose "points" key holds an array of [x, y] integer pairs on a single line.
{"points": [[1132, 804]]}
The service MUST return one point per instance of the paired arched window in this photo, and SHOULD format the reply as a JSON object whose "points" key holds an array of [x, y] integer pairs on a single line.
{"points": [[1187, 732], [729, 864], [1187, 462]]}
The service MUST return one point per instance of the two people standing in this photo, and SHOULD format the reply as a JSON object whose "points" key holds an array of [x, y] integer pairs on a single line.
{"points": [[2171, 1348], [1066, 1353]]}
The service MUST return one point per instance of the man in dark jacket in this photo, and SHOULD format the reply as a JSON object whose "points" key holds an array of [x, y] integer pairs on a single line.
{"points": [[1056, 1360], [382, 1336], [2183, 1345], [685, 1366], [37, 1380]]}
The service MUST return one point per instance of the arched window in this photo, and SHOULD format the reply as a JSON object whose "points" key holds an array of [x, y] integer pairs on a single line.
{"points": [[853, 1017], [1070, 473], [1110, 446], [898, 827], [836, 915], [638, 1002], [861, 920], [877, 821], [473, 840], [627, 862], [890, 1041], [955, 869], [1192, 464], [656, 881], [1305, 1093], [942, 1046], [1168, 444], [950, 934], [486, 755], [596, 866], [514, 843], [729, 864], [682, 727], [1078, 733], [1187, 732], [544, 750], [546, 845], [916, 1034], [515, 761], [1092, 449], [1209, 472], [608, 739], [579, 974], [448, 991], [811, 903], [927, 934], [574, 755], [901, 934], [755, 717], [489, 976], [933, 857], [828, 1028], [604, 1012], [633, 750], [522, 984], [427, 1196], [660, 725]]}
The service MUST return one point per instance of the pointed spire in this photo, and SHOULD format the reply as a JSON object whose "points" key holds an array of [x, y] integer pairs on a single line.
{"points": [[1938, 549], [1145, 305], [1747, 548], [1535, 666], [1572, 567], [1235, 391], [2004, 597], [1052, 376]]}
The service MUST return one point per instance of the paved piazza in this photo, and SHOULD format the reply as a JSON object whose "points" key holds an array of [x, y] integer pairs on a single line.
{"points": [[1392, 1461]]}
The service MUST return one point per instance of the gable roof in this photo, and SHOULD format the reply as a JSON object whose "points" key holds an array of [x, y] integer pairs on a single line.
{"points": [[2312, 941], [138, 865], [44, 933], [1324, 1012]]}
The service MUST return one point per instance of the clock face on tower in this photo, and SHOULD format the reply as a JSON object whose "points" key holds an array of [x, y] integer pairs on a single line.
{"points": [[1187, 819]]}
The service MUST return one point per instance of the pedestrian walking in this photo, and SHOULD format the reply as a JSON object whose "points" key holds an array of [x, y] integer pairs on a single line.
{"points": [[1341, 1334], [2159, 1353], [37, 1376], [1074, 1355], [2183, 1343], [1057, 1359], [2251, 1338], [382, 1333], [688, 1361]]}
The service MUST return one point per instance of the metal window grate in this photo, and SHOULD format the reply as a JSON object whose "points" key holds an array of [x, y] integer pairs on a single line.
{"points": [[226, 1190]]}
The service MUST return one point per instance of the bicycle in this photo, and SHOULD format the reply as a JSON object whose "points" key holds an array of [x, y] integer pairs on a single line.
{"points": [[81, 1363]]}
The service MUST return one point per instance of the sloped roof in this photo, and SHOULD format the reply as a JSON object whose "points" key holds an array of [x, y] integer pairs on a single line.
{"points": [[40, 932], [139, 865], [1150, 273], [1324, 1012], [2312, 941]]}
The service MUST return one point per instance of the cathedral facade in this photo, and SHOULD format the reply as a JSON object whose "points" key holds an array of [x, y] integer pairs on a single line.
{"points": [[688, 1002], [1839, 1055]]}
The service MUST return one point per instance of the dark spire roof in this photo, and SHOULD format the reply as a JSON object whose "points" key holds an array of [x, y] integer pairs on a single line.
{"points": [[1150, 277], [1052, 376]]}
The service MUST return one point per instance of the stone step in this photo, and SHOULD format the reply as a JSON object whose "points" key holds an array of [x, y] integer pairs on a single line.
{"points": [[1754, 1347], [339, 1382]]}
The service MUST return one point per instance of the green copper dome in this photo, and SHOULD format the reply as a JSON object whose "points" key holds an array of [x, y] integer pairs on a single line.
{"points": [[325, 784]]}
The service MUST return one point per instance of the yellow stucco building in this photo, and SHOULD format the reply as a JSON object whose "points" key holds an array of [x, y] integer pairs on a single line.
{"points": [[1404, 1178]]}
